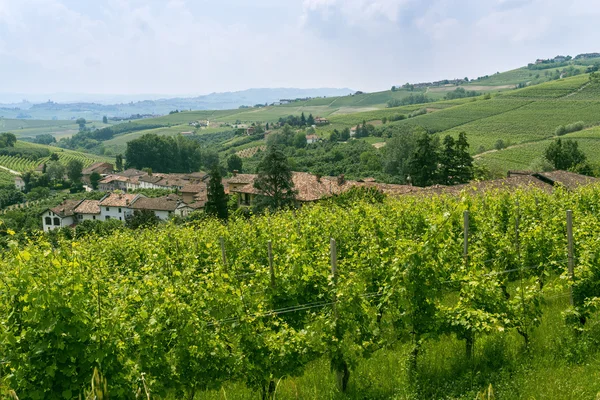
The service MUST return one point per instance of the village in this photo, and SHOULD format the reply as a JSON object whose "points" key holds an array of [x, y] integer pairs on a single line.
{"points": [[190, 192]]}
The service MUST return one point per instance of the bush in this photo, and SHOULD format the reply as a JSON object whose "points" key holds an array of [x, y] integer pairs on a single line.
{"points": [[418, 112], [574, 127]]}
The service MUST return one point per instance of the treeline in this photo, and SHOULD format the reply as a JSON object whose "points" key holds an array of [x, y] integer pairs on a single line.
{"points": [[418, 98], [167, 154], [299, 121], [32, 154], [7, 139], [89, 139], [460, 93]]}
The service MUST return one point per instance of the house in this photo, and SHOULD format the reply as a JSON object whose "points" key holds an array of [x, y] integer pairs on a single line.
{"points": [[113, 182], [19, 183], [239, 180], [60, 216], [117, 205], [88, 210], [101, 168], [353, 131], [187, 133], [163, 207], [188, 192], [250, 131], [321, 121], [310, 139]]}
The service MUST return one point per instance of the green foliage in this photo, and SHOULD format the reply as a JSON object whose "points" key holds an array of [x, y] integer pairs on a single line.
{"points": [[95, 178], [74, 170], [216, 204], [274, 182], [7, 139], [119, 162], [235, 163], [141, 219], [565, 154], [164, 154]]}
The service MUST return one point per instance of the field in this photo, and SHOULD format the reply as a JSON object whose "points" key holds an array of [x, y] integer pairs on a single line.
{"points": [[361, 300], [26, 128], [22, 164], [521, 157]]}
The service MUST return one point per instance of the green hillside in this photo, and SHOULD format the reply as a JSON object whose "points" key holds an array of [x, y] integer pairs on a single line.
{"points": [[29, 128]]}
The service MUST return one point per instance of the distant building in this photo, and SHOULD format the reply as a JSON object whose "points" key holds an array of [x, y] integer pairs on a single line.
{"points": [[19, 183], [321, 121], [60, 216], [101, 168], [310, 139], [250, 131], [187, 133]]}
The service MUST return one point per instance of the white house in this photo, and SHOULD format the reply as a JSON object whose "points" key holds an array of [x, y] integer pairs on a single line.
{"points": [[60, 216], [19, 183], [163, 207], [310, 139], [88, 210], [117, 206]]}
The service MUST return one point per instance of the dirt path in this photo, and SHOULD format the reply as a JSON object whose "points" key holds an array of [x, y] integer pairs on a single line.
{"points": [[578, 90], [10, 170]]}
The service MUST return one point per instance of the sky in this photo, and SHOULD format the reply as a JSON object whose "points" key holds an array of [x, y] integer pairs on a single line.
{"points": [[192, 47]]}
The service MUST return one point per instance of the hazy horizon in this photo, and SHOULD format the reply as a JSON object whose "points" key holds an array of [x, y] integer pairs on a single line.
{"points": [[161, 49]]}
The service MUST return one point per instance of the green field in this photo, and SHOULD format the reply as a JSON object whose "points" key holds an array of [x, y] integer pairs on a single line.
{"points": [[521, 157], [29, 128]]}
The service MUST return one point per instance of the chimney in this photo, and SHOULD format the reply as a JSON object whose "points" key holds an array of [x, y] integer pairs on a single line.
{"points": [[341, 180], [235, 172]]}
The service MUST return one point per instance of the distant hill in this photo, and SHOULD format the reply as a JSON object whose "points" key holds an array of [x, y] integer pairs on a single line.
{"points": [[213, 101]]}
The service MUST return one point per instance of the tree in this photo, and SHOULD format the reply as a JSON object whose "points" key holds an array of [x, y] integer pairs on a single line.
{"points": [[448, 161], [54, 157], [424, 162], [105, 120], [7, 139], [141, 219], [464, 161], [81, 122], [216, 204], [267, 126], [302, 119], [55, 170], [274, 182], [564, 155], [345, 135], [119, 162], [300, 140], [94, 179], [74, 170], [311, 120], [235, 163]]}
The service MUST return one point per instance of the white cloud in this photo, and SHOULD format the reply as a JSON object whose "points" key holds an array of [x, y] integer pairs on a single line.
{"points": [[357, 11]]}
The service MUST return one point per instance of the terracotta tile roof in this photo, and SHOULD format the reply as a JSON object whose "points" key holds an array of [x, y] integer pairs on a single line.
{"points": [[113, 178], [88, 207], [569, 180], [132, 172], [99, 166], [195, 188], [242, 179], [164, 203], [66, 208], [312, 188], [150, 178], [118, 200]]}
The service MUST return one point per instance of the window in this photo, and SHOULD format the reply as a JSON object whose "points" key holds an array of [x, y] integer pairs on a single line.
{"points": [[106, 208], [120, 211], [107, 217], [48, 221], [56, 221], [93, 217], [120, 218]]}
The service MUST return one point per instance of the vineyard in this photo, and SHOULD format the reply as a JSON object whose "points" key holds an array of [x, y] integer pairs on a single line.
{"points": [[22, 163], [259, 305]]}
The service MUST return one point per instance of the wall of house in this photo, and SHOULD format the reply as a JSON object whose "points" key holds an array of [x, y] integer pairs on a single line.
{"points": [[56, 221], [163, 215], [88, 217], [118, 213]]}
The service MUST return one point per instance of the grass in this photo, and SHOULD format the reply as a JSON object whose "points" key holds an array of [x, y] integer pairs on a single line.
{"points": [[30, 128], [555, 367]]}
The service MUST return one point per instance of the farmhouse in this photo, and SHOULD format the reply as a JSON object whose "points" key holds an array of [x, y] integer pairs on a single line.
{"points": [[117, 205], [19, 183], [60, 216], [310, 139], [88, 210], [101, 168], [163, 207], [321, 121]]}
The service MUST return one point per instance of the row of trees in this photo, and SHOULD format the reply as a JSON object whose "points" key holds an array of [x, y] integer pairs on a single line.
{"points": [[300, 121], [165, 154]]}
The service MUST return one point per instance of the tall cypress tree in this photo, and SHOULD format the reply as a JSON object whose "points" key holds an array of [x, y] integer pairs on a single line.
{"points": [[424, 163], [274, 182], [448, 161], [217, 200], [302, 119], [464, 161]]}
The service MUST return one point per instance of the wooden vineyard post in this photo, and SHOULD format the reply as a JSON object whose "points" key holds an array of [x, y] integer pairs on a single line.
{"points": [[570, 249], [223, 254], [466, 238], [333, 250], [271, 268]]}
